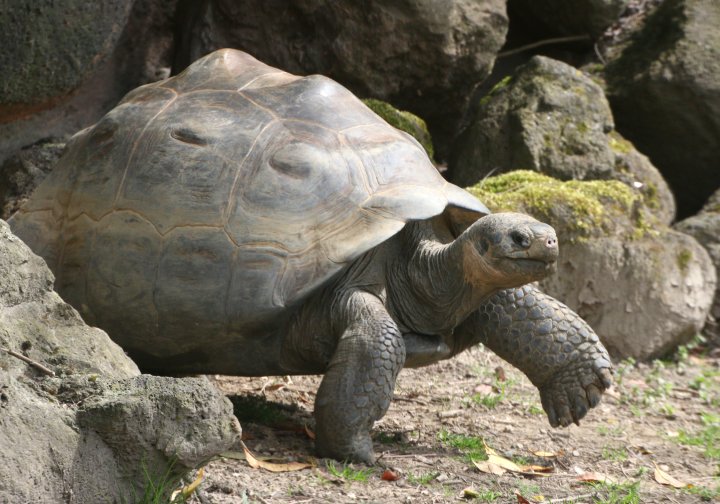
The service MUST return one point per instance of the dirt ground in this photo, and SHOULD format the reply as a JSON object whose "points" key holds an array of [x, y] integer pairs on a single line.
{"points": [[659, 420]]}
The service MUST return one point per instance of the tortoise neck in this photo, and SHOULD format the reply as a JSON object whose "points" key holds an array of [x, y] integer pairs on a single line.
{"points": [[432, 285]]}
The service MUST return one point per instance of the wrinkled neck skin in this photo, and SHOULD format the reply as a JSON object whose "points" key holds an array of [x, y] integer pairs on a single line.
{"points": [[433, 283]]}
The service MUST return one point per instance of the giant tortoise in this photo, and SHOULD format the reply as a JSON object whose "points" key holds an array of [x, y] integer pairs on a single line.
{"points": [[238, 219]]}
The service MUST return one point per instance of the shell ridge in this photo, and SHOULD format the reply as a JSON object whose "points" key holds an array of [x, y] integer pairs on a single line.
{"points": [[233, 196], [121, 186]]}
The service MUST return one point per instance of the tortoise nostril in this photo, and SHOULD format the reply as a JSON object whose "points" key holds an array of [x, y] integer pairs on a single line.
{"points": [[551, 242]]}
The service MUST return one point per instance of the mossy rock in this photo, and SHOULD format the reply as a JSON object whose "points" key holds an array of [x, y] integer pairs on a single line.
{"points": [[579, 210], [50, 48], [404, 121]]}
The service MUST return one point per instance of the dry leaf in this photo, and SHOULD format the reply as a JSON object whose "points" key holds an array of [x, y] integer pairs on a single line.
{"points": [[389, 475], [489, 468], [496, 460], [188, 490], [256, 463], [470, 493], [548, 454], [642, 450], [309, 433], [665, 479], [521, 499], [484, 389], [595, 477]]}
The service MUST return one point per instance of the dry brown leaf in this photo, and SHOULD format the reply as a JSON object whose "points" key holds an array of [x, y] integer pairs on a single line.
{"points": [[188, 490], [256, 463], [489, 468], [309, 433], [665, 479], [484, 389], [548, 454], [470, 493], [595, 477], [521, 499], [509, 465], [495, 464]]}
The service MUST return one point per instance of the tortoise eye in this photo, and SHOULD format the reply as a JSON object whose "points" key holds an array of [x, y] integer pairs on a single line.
{"points": [[520, 239]]}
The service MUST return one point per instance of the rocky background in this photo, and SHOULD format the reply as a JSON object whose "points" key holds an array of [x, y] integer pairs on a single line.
{"points": [[601, 117]]}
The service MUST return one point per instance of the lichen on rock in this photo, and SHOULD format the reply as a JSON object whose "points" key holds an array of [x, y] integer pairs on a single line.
{"points": [[643, 287], [404, 121], [579, 210], [552, 118]]}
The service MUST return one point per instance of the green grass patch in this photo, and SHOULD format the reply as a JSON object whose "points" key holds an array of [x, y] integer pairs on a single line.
{"points": [[626, 493], [472, 447], [708, 437], [614, 454], [616, 431], [348, 473], [705, 493], [535, 409], [491, 401], [422, 478], [158, 486], [484, 495]]}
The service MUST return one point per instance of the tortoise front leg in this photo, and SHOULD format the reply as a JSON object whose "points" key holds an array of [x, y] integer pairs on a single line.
{"points": [[550, 343], [359, 382]]}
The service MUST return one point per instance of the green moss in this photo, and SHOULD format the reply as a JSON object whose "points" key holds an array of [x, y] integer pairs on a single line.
{"points": [[683, 259], [577, 209], [404, 121], [494, 90], [619, 144]]}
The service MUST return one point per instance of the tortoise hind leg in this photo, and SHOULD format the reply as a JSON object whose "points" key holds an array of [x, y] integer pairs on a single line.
{"points": [[360, 379]]}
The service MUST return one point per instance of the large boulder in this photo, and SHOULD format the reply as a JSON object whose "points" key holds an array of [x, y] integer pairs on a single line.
{"points": [[642, 286], [94, 430], [65, 63], [664, 90], [51, 47], [420, 55], [705, 228], [21, 173], [552, 18], [552, 118]]}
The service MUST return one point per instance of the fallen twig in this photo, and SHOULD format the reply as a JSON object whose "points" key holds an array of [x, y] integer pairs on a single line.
{"points": [[572, 498], [28, 360], [540, 43], [450, 413]]}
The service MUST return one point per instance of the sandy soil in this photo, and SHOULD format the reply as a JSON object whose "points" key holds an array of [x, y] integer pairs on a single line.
{"points": [[442, 415]]}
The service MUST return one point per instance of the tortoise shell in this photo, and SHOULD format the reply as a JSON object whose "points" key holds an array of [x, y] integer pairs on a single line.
{"points": [[213, 201]]}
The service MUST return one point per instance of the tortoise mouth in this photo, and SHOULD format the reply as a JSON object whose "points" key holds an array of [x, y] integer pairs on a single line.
{"points": [[541, 267]]}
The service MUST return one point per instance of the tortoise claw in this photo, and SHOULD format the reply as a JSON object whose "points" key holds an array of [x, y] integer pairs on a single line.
{"points": [[572, 392]]}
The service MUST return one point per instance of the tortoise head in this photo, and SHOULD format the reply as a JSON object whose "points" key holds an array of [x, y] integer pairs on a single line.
{"points": [[508, 250]]}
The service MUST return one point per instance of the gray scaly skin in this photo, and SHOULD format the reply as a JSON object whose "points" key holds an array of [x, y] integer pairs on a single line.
{"points": [[425, 295], [557, 350]]}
